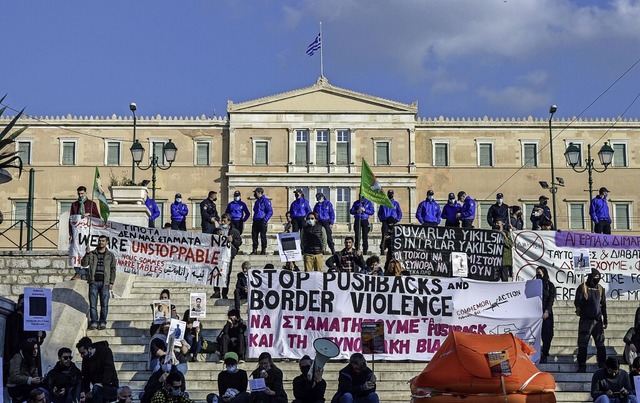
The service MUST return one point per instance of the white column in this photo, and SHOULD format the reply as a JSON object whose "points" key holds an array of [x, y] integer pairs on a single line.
{"points": [[412, 150], [232, 149], [413, 205], [292, 150]]}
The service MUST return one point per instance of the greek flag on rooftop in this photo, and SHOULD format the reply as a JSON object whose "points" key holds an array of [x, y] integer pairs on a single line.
{"points": [[314, 46]]}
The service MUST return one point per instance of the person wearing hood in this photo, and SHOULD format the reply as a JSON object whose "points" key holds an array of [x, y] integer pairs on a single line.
{"points": [[591, 307], [451, 212], [498, 212], [632, 340], [99, 377], [548, 298]]}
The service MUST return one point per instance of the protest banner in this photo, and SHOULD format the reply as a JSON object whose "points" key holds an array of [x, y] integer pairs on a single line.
{"points": [[289, 310], [179, 256], [37, 309], [430, 251], [617, 257]]}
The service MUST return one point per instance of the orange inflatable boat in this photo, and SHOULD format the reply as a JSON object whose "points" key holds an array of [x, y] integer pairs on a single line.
{"points": [[460, 372]]}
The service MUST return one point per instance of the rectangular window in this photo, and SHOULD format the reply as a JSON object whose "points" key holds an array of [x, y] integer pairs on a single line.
{"points": [[482, 218], [441, 154], [24, 151], [113, 153], [342, 147], [202, 153], [530, 155], [619, 155], [261, 154], [156, 149], [322, 147], [343, 204], [19, 210], [302, 147], [576, 218], [383, 153], [485, 154], [68, 153], [621, 218], [160, 220]]}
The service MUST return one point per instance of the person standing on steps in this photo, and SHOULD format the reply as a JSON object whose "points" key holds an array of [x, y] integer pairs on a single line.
{"points": [[209, 213], [299, 210], [262, 212], [101, 276], [591, 307], [238, 211]]}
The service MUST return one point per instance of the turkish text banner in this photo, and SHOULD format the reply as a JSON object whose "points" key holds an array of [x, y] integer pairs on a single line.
{"points": [[289, 310], [181, 256], [617, 257]]}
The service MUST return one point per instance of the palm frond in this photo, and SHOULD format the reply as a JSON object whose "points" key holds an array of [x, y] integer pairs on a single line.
{"points": [[10, 159], [6, 130]]}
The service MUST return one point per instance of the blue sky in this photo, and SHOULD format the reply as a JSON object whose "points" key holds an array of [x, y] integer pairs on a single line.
{"points": [[466, 58]]}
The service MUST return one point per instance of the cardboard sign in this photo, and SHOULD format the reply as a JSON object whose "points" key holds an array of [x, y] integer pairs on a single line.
{"points": [[459, 264], [197, 305], [372, 337], [37, 309], [161, 311], [499, 363]]}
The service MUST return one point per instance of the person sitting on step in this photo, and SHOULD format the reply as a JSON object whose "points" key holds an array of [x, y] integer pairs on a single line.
{"points": [[232, 337]]}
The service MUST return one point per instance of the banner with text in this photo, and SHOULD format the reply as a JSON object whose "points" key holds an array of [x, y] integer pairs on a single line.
{"points": [[430, 250], [188, 257], [617, 257], [289, 310]]}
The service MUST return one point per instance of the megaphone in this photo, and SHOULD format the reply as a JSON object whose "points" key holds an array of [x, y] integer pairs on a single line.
{"points": [[325, 350]]}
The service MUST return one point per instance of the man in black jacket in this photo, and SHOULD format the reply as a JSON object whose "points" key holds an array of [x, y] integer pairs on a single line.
{"points": [[63, 381], [611, 384], [235, 241], [356, 382], [498, 212], [348, 259], [591, 307], [308, 389], [242, 285], [548, 298], [99, 377]]}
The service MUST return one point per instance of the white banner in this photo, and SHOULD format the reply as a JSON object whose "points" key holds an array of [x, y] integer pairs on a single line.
{"points": [[188, 257], [289, 310], [617, 257]]}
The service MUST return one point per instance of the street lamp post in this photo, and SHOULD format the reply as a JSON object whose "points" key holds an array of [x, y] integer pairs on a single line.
{"points": [[554, 189], [133, 107], [169, 151], [605, 155]]}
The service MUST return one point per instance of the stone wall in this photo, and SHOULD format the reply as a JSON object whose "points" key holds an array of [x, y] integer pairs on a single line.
{"points": [[32, 269]]}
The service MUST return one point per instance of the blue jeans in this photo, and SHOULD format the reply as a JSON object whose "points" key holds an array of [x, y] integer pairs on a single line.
{"points": [[607, 399], [196, 346], [370, 398], [98, 288], [103, 394]]}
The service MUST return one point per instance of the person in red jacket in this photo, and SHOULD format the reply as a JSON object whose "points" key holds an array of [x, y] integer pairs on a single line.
{"points": [[86, 208]]}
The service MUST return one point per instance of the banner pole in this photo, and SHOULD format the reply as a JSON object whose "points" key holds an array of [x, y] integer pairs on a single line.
{"points": [[504, 388], [321, 52]]}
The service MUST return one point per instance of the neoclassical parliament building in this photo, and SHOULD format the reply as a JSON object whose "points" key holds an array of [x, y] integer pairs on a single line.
{"points": [[315, 138]]}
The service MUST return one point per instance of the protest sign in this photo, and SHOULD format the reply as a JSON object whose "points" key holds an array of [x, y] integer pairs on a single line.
{"points": [[177, 328], [179, 256], [372, 337], [198, 305], [289, 247], [429, 251], [617, 257], [161, 310], [37, 309], [289, 310]]}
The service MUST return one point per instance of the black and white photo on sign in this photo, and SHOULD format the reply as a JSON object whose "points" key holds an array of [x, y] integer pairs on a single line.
{"points": [[161, 310], [198, 306], [177, 329], [289, 247], [459, 264], [37, 309]]}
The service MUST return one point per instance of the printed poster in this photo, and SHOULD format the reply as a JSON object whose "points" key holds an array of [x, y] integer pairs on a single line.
{"points": [[197, 305], [289, 247], [161, 310], [37, 309]]}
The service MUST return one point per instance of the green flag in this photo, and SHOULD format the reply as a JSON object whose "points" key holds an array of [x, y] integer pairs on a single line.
{"points": [[98, 193], [370, 187]]}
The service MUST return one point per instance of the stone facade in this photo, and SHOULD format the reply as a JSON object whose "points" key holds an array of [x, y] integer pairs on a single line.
{"points": [[31, 269]]}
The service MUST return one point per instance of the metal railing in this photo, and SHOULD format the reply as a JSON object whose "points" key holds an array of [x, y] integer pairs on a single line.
{"points": [[42, 228]]}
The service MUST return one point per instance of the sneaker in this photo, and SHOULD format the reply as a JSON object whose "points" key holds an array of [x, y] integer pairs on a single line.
{"points": [[93, 326], [102, 326], [220, 361], [216, 294], [254, 252], [582, 369], [241, 362]]}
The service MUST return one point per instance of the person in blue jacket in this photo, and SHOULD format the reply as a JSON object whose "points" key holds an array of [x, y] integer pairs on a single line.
{"points": [[299, 209], [428, 212], [179, 212], [451, 212], [238, 211], [599, 212], [153, 209], [388, 216], [361, 210], [262, 212], [326, 217], [468, 209]]}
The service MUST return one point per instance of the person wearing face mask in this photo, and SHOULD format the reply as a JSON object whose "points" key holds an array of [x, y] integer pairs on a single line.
{"points": [[238, 211], [599, 212], [451, 212], [232, 382], [516, 223], [467, 211], [157, 381], [327, 216], [234, 241], [124, 394], [499, 212], [388, 216], [540, 212], [548, 299], [179, 212], [428, 212], [308, 389], [356, 382], [86, 208], [262, 212], [299, 209], [171, 391], [591, 306], [209, 213], [361, 210], [313, 240], [611, 384], [99, 376]]}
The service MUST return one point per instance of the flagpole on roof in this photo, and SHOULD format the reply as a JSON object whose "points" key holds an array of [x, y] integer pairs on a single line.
{"points": [[321, 53]]}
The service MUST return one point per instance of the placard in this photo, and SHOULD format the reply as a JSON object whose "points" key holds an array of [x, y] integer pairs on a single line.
{"points": [[257, 385], [289, 247], [581, 261], [197, 305], [161, 311], [37, 309], [177, 329], [372, 338], [459, 264], [499, 363]]}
